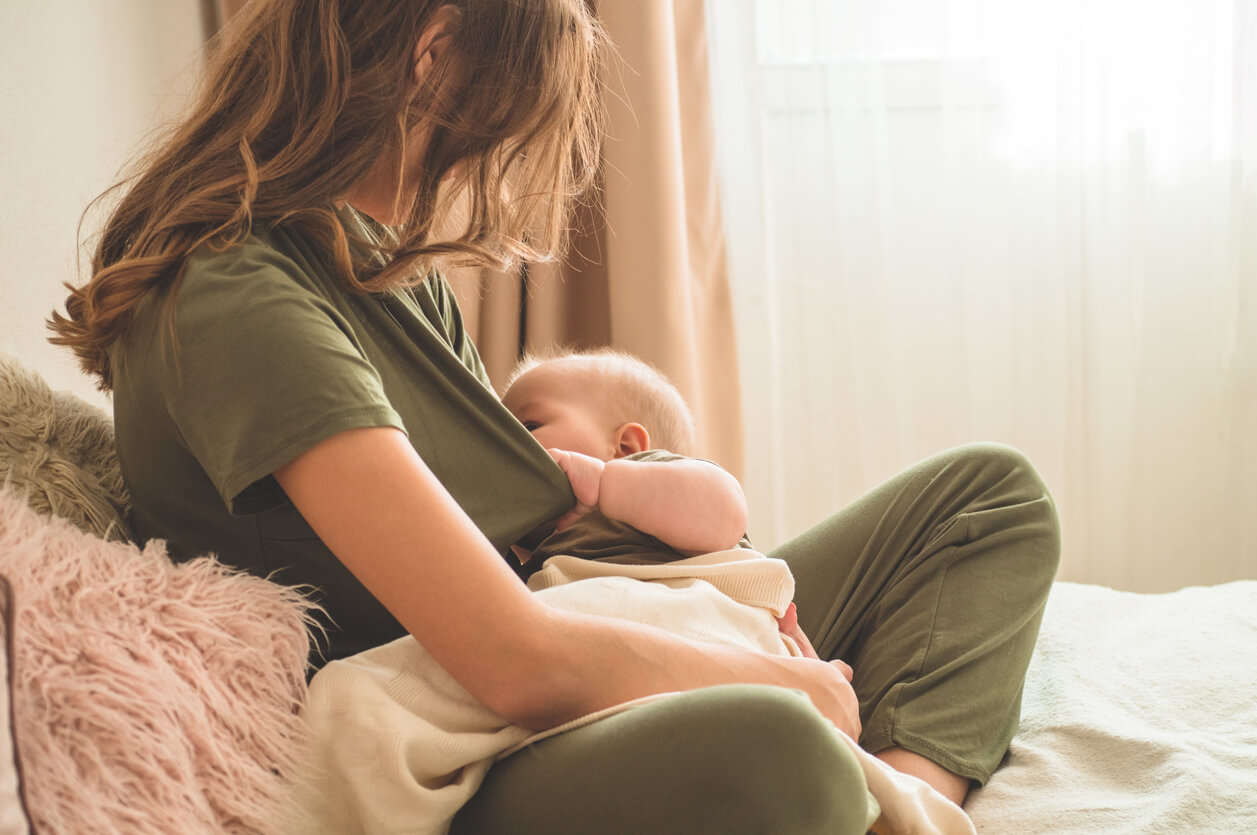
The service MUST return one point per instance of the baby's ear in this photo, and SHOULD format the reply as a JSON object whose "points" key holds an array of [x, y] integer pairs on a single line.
{"points": [[631, 438]]}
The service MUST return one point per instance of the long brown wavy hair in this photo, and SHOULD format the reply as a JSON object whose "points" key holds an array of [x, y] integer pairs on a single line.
{"points": [[300, 100]]}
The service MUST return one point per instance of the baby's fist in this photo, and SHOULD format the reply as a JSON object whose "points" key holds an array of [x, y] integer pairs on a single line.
{"points": [[585, 474]]}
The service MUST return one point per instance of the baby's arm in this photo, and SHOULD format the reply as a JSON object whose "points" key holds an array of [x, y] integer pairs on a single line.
{"points": [[692, 505]]}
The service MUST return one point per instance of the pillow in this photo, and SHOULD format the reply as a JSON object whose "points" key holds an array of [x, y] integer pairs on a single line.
{"points": [[58, 452], [12, 808], [150, 697]]}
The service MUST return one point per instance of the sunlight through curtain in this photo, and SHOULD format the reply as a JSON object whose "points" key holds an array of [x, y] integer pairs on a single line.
{"points": [[1013, 220]]}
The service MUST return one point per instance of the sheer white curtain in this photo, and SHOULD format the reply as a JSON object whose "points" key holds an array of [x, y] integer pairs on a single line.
{"points": [[1026, 221]]}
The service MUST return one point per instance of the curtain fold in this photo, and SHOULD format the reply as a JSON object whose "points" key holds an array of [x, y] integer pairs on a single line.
{"points": [[648, 272], [227, 8], [670, 301]]}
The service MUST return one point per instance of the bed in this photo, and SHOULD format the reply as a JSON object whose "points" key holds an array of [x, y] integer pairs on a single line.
{"points": [[1139, 716], [1139, 713]]}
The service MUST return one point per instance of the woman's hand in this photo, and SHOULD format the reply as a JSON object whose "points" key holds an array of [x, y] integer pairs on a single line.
{"points": [[845, 712], [832, 694]]}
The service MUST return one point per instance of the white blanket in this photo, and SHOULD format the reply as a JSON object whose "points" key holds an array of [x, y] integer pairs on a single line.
{"points": [[1139, 716], [400, 746]]}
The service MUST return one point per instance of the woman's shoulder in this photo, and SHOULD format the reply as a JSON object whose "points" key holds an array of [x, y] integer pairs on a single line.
{"points": [[266, 268], [260, 256], [237, 301], [292, 255]]}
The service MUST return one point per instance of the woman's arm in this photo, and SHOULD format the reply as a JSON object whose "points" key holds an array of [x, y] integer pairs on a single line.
{"points": [[692, 505], [378, 507]]}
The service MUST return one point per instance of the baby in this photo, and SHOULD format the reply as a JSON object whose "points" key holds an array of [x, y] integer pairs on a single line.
{"points": [[621, 432]]}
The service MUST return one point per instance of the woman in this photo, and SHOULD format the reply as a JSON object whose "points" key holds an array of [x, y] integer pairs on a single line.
{"points": [[293, 389]]}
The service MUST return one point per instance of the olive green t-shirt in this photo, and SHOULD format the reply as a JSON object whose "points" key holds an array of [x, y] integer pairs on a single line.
{"points": [[269, 355]]}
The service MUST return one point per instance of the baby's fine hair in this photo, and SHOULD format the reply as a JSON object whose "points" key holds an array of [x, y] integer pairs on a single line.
{"points": [[633, 391]]}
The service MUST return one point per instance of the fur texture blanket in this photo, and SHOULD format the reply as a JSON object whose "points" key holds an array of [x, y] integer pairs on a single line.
{"points": [[57, 452], [147, 697]]}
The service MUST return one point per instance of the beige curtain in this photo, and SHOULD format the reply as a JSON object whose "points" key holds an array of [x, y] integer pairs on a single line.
{"points": [[647, 274], [226, 8], [669, 285], [650, 276]]}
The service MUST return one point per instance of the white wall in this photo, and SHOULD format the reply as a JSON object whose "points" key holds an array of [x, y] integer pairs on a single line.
{"points": [[84, 81]]}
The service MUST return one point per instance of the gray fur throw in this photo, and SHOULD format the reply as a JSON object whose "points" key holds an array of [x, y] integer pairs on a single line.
{"points": [[57, 452]]}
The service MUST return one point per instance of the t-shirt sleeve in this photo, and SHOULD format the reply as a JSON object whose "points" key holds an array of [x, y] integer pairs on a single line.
{"points": [[261, 368]]}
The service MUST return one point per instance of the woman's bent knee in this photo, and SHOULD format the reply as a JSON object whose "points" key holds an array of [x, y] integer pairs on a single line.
{"points": [[730, 759], [793, 772], [1001, 463], [1011, 482]]}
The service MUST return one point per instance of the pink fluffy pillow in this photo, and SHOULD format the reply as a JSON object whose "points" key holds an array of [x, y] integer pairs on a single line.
{"points": [[150, 697]]}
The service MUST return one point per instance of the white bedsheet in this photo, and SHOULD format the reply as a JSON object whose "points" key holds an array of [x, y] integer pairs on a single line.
{"points": [[1139, 716]]}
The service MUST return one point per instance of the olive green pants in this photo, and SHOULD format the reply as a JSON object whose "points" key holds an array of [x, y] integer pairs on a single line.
{"points": [[931, 586]]}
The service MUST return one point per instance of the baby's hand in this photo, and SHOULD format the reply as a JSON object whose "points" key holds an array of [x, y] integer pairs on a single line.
{"points": [[788, 625], [585, 474]]}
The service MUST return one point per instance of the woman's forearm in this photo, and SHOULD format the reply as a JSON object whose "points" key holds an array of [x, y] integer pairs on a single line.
{"points": [[593, 663], [381, 511]]}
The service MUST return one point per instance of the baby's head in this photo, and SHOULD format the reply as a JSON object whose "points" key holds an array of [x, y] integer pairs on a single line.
{"points": [[602, 403]]}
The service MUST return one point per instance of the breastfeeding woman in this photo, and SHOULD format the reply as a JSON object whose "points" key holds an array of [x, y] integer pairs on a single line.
{"points": [[294, 390]]}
